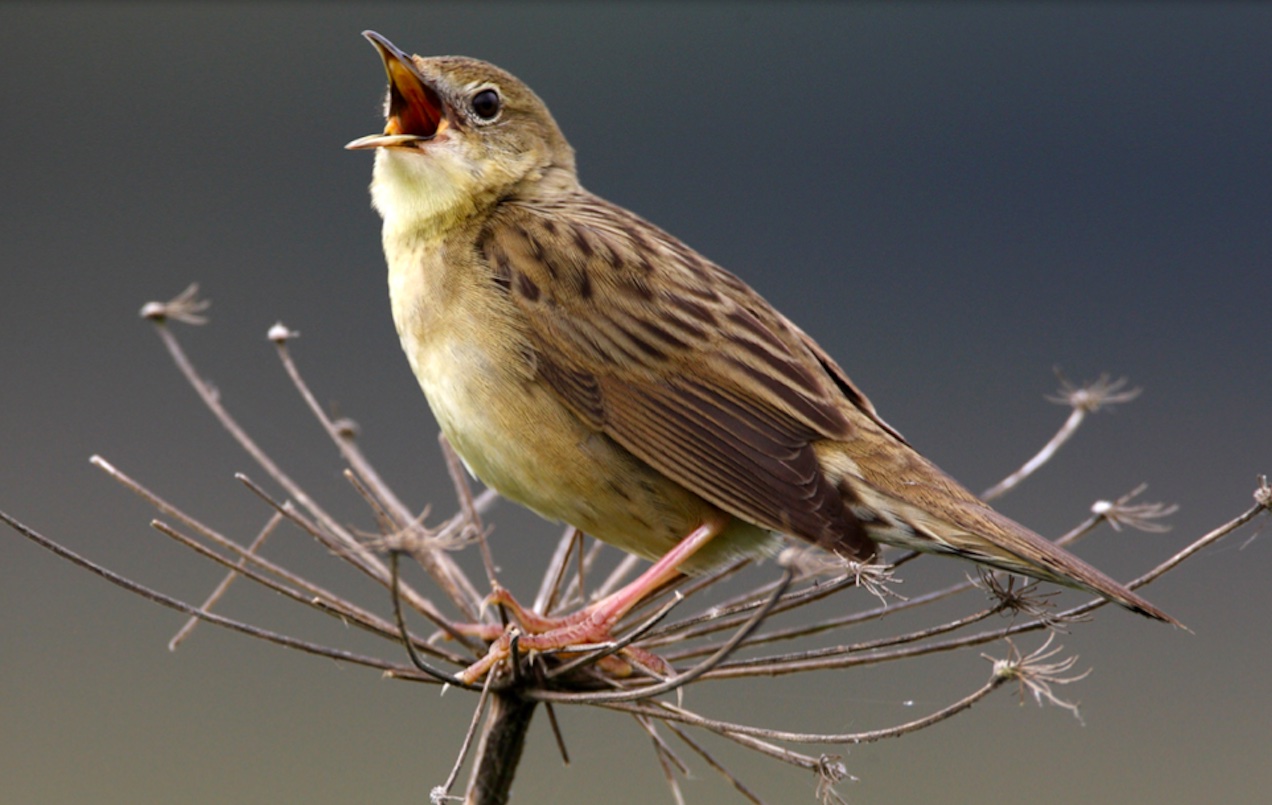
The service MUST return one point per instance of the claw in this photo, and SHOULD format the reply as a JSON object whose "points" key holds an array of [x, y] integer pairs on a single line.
{"points": [[591, 625]]}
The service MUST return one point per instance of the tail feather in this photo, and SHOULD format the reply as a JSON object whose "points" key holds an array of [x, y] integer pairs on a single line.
{"points": [[970, 529], [1037, 556]]}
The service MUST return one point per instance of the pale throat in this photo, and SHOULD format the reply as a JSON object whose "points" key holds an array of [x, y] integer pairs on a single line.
{"points": [[421, 194], [423, 197]]}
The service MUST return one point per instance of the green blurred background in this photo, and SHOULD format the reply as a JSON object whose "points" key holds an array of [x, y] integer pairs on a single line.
{"points": [[952, 199]]}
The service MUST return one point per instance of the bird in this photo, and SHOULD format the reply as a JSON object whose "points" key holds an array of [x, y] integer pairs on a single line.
{"points": [[594, 368]]}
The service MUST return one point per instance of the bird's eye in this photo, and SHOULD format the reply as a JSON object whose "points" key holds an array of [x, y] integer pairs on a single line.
{"points": [[486, 104]]}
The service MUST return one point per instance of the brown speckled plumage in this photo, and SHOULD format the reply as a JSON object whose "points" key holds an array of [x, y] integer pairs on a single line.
{"points": [[593, 367]]}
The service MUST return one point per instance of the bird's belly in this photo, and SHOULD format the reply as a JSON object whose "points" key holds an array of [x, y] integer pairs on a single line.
{"points": [[520, 440]]}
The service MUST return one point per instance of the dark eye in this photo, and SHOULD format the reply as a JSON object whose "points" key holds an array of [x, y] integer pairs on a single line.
{"points": [[486, 104]]}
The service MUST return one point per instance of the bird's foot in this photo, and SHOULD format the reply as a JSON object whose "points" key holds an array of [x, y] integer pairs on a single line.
{"points": [[590, 629], [585, 631]]}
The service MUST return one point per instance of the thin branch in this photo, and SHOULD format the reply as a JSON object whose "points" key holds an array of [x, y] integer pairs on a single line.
{"points": [[315, 595], [471, 518], [556, 733], [438, 565], [409, 643], [1083, 400], [443, 791], [715, 764], [224, 586], [709, 638], [211, 399], [419, 603], [554, 575], [670, 712], [189, 609], [318, 599], [763, 666]]}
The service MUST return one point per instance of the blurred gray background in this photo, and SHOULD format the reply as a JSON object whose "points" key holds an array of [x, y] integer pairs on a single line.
{"points": [[952, 199]]}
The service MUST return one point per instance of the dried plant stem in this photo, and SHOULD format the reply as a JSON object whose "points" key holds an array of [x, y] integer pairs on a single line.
{"points": [[438, 565], [667, 757], [1044, 455], [444, 789], [503, 738], [1083, 400], [553, 577], [212, 400], [221, 588], [412, 649], [714, 764], [1260, 507], [189, 609], [669, 712], [577, 674], [251, 564]]}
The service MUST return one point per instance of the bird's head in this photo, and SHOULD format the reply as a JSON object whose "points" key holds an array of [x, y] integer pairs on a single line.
{"points": [[459, 135]]}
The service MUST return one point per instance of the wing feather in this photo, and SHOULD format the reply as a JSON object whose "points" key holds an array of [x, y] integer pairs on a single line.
{"points": [[733, 422]]}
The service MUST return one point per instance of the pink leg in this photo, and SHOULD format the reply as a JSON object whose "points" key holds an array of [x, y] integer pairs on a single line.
{"points": [[593, 624], [612, 608]]}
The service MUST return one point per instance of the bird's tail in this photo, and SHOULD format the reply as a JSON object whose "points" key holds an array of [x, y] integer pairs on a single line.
{"points": [[1031, 554], [970, 529]]}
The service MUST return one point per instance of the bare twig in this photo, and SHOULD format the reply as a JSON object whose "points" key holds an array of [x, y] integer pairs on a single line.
{"points": [[550, 588], [212, 400], [437, 564], [221, 588], [189, 609], [733, 620], [443, 791], [715, 764], [1083, 400]]}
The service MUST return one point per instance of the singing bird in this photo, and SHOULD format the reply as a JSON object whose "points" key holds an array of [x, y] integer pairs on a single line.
{"points": [[590, 366]]}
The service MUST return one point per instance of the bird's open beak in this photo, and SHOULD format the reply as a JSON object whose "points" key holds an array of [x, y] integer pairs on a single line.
{"points": [[414, 113]]}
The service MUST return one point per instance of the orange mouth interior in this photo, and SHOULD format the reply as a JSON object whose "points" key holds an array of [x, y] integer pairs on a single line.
{"points": [[414, 108]]}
